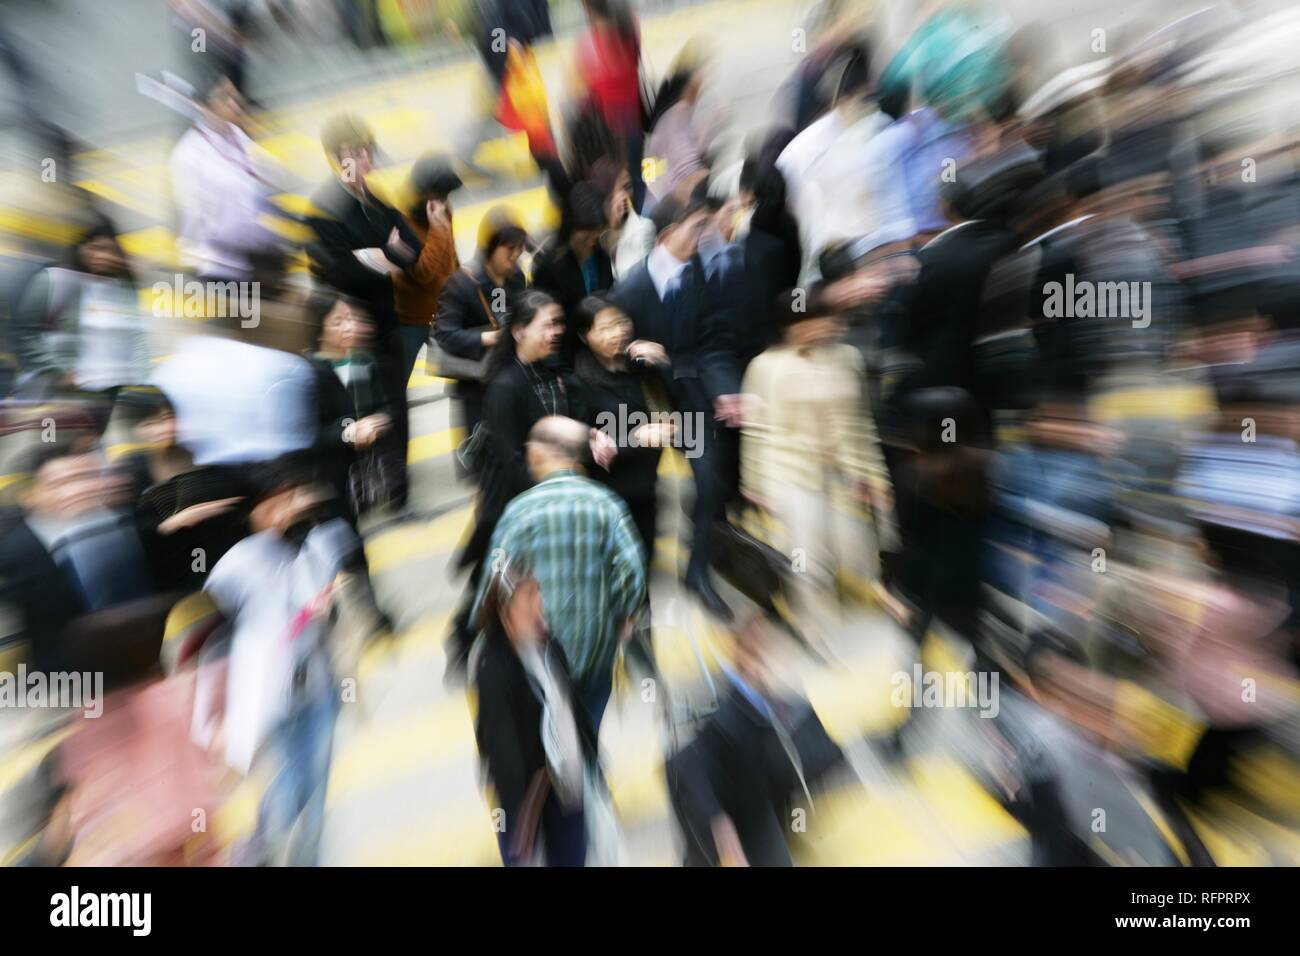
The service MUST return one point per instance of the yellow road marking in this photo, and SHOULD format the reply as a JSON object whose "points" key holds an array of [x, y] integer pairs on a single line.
{"points": [[434, 445], [410, 541]]}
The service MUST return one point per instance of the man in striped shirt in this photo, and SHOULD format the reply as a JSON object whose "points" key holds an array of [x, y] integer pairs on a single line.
{"points": [[585, 553]]}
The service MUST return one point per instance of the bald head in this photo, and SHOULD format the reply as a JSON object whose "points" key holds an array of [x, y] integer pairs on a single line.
{"points": [[556, 443]]}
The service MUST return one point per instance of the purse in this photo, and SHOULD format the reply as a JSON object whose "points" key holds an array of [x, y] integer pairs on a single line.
{"points": [[446, 365], [373, 479], [755, 569], [472, 452]]}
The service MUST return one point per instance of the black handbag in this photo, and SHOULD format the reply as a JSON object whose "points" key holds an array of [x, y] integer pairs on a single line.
{"points": [[755, 569], [445, 365], [373, 479]]}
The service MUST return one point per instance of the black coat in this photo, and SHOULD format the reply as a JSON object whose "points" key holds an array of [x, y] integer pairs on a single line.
{"points": [[526, 21], [336, 406], [463, 318], [697, 333], [737, 765], [343, 224], [465, 310], [768, 270], [942, 323], [32, 583], [610, 396], [509, 718], [171, 556]]}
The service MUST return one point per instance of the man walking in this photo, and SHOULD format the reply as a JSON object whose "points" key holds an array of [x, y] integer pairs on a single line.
{"points": [[671, 300], [582, 545]]}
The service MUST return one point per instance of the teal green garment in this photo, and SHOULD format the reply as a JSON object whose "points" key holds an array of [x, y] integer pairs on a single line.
{"points": [[956, 62], [586, 555]]}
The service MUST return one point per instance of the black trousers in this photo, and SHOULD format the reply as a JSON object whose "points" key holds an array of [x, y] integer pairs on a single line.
{"points": [[711, 468], [390, 357], [758, 821], [644, 517], [474, 557]]}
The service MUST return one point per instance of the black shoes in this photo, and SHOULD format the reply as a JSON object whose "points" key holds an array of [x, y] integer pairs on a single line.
{"points": [[710, 598]]}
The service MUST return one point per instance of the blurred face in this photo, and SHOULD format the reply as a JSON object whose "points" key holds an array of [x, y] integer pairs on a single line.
{"points": [[225, 103], [70, 485], [750, 655], [539, 338], [583, 241], [159, 431], [505, 259], [1069, 427], [356, 162], [811, 333], [103, 256], [683, 239], [281, 509], [1231, 341], [345, 328], [620, 201], [270, 512], [609, 335]]}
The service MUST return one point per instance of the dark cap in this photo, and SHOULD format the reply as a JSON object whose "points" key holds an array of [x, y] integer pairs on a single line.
{"points": [[670, 210], [666, 213], [433, 175]]}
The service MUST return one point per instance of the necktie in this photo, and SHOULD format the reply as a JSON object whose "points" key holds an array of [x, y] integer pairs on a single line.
{"points": [[674, 297]]}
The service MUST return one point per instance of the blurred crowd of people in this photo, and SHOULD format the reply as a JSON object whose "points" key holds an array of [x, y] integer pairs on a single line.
{"points": [[1010, 340]]}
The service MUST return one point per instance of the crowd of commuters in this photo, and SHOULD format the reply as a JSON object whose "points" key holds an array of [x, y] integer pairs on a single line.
{"points": [[1015, 343]]}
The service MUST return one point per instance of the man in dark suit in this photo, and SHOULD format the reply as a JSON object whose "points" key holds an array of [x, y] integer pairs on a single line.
{"points": [[360, 241], [955, 265], [752, 763], [671, 301]]}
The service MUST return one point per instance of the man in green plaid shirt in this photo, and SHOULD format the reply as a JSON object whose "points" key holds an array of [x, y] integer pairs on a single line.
{"points": [[585, 553]]}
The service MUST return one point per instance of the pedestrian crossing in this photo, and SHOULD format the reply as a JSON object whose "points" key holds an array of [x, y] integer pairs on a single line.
{"points": [[404, 787], [422, 733]]}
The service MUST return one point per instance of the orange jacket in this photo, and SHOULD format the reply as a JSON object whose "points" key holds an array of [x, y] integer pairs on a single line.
{"points": [[416, 293]]}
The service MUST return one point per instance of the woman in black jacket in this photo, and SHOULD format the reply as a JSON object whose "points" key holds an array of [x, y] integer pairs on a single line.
{"points": [[351, 407], [523, 683], [524, 388], [617, 379], [471, 309]]}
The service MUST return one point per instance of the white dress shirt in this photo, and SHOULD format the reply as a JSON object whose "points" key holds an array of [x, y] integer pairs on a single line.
{"points": [[664, 268], [831, 192]]}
